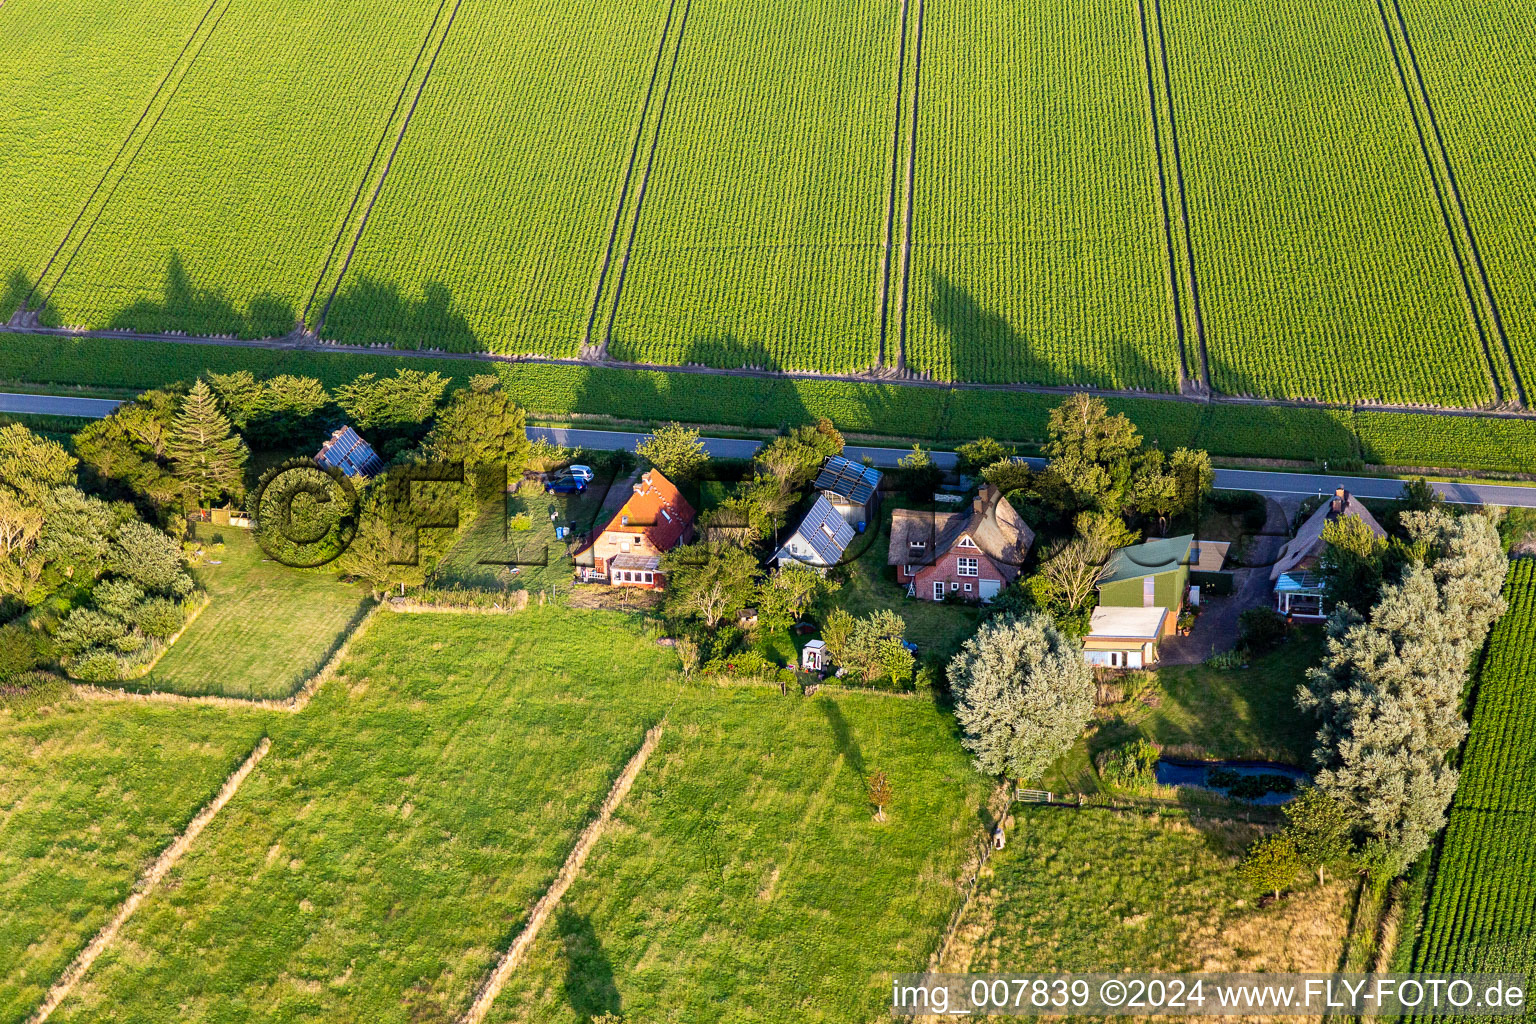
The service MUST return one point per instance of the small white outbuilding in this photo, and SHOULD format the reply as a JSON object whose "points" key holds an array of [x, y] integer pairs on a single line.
{"points": [[813, 657]]}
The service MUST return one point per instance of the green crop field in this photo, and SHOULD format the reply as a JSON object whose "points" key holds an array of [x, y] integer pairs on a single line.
{"points": [[1037, 244], [1318, 201], [222, 217], [89, 793], [76, 82], [1481, 914]]}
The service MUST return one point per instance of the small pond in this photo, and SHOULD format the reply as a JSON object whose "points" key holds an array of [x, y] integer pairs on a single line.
{"points": [[1255, 782]]}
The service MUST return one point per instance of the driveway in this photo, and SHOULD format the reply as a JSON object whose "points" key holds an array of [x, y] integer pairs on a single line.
{"points": [[1215, 629]]}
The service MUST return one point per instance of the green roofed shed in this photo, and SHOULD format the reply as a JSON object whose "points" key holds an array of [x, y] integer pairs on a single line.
{"points": [[1150, 575]]}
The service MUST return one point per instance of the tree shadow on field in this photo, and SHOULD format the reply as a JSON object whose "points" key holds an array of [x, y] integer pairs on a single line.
{"points": [[588, 984], [17, 287], [984, 346], [842, 736], [368, 311], [185, 307]]}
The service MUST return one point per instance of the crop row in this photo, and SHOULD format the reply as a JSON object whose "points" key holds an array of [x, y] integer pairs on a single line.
{"points": [[492, 224], [76, 78], [763, 218], [230, 203], [1325, 266], [1482, 909], [1037, 240]]}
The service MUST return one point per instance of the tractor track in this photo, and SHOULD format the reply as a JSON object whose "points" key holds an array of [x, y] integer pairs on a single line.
{"points": [[1454, 188], [629, 173], [906, 224], [1474, 308], [388, 165], [1162, 187], [890, 204], [645, 180]]}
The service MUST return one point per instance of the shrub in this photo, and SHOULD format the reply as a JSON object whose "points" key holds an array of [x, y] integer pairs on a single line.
{"points": [[85, 628], [22, 649], [1131, 765], [1260, 629], [1228, 660], [97, 666], [160, 617]]}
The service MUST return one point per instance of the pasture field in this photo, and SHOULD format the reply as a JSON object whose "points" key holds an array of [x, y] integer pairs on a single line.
{"points": [[267, 628], [745, 877], [1478, 63], [1325, 269], [1038, 249], [90, 791], [226, 210], [1481, 914], [77, 80], [400, 830], [759, 238], [492, 227], [1097, 890]]}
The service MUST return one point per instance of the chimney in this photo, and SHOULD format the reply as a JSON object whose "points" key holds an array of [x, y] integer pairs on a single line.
{"points": [[1340, 496]]}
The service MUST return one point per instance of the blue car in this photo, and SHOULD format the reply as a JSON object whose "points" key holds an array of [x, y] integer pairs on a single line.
{"points": [[565, 484]]}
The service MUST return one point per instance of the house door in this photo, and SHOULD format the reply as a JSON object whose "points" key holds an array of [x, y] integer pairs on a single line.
{"points": [[938, 590], [1148, 591]]}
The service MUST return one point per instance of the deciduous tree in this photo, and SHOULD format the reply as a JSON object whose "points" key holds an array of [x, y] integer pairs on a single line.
{"points": [[675, 450]]}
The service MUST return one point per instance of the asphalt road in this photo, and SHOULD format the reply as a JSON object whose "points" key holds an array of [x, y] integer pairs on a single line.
{"points": [[1264, 482], [58, 405]]}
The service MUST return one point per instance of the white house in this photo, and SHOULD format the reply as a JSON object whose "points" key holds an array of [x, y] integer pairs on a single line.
{"points": [[1124, 637], [820, 540]]}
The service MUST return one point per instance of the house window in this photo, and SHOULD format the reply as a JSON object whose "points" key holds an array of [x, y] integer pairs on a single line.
{"points": [[967, 588], [1148, 591], [645, 577], [968, 567], [966, 542], [623, 545], [909, 570], [938, 590], [1116, 659], [953, 585]]}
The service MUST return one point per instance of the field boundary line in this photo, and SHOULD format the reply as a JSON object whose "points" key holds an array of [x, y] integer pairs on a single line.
{"points": [[585, 349], [389, 164], [122, 175], [645, 180], [378, 147], [294, 702], [1162, 184], [890, 205], [1178, 177], [146, 883], [515, 953], [121, 149], [1454, 188], [999, 804], [907, 216], [1474, 308]]}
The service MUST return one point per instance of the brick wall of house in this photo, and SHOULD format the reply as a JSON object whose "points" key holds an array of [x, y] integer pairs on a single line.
{"points": [[946, 568]]}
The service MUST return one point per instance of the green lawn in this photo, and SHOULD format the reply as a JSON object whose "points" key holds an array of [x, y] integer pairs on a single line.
{"points": [[745, 878], [493, 555], [267, 628], [399, 831], [937, 629], [89, 793], [1203, 712]]}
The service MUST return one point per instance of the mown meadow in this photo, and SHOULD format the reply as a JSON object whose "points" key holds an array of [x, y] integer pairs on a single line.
{"points": [[89, 792]]}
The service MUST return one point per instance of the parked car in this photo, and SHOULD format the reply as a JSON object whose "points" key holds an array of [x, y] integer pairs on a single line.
{"points": [[582, 473], [565, 484]]}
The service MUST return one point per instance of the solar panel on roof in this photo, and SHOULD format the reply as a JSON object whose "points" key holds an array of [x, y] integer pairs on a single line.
{"points": [[348, 452], [848, 479]]}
